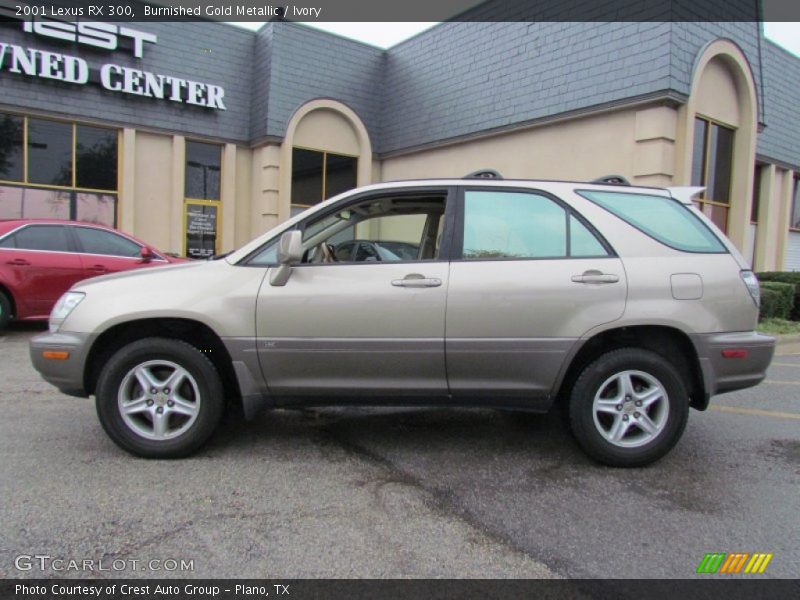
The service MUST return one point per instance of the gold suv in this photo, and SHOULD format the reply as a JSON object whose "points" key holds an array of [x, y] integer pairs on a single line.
{"points": [[622, 304]]}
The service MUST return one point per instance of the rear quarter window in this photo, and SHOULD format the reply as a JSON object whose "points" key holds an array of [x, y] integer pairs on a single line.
{"points": [[663, 219]]}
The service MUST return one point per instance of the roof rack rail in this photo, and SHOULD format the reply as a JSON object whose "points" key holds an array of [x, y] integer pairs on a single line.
{"points": [[611, 180], [483, 174]]}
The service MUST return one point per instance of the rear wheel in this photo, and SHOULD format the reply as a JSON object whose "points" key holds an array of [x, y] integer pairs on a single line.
{"points": [[628, 408], [5, 311], [159, 398]]}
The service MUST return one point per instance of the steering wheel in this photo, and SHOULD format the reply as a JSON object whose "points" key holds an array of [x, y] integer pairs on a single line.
{"points": [[328, 253]]}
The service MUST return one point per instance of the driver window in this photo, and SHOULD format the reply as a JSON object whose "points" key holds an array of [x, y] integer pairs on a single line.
{"points": [[378, 230]]}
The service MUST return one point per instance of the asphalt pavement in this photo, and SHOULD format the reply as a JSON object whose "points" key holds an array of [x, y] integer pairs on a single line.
{"points": [[394, 493]]}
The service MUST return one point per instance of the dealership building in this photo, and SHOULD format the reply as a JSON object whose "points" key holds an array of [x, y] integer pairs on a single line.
{"points": [[198, 136]]}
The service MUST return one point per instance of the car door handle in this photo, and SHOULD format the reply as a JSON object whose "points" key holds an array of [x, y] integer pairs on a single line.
{"points": [[98, 269], [595, 277], [18, 262], [415, 280]]}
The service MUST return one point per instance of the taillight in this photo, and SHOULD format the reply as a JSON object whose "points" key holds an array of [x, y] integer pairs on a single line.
{"points": [[751, 281]]}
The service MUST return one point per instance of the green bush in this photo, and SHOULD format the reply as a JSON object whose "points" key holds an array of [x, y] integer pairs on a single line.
{"points": [[769, 304], [792, 277], [776, 300]]}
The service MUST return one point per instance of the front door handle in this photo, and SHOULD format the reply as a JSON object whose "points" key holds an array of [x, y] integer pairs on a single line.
{"points": [[18, 262], [98, 269], [595, 277], [415, 280]]}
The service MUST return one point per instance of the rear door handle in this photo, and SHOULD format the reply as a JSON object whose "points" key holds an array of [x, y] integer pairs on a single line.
{"points": [[595, 277], [415, 280], [98, 269], [18, 262]]}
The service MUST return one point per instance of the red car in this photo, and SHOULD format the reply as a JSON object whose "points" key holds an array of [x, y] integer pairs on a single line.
{"points": [[41, 259]]}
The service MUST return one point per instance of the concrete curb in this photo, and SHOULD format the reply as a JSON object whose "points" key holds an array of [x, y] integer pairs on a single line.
{"points": [[788, 338]]}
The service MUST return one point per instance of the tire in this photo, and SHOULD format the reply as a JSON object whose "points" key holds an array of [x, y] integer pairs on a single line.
{"points": [[628, 408], [5, 311], [170, 423]]}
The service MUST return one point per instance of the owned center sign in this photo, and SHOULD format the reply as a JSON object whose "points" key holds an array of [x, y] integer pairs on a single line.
{"points": [[44, 64]]}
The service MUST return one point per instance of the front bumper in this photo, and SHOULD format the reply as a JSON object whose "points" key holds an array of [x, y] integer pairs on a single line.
{"points": [[65, 374], [752, 353]]}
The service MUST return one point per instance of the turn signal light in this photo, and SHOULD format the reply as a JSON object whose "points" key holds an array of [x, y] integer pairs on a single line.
{"points": [[738, 353], [56, 354]]}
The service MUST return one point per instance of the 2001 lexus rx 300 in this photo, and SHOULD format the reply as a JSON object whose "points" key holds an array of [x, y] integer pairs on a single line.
{"points": [[623, 303]]}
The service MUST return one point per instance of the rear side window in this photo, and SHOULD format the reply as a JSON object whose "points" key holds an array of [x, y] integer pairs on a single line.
{"points": [[507, 224], [97, 241], [513, 225], [663, 219], [49, 238]]}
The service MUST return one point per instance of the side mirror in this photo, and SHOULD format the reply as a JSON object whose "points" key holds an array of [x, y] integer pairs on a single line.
{"points": [[290, 252], [146, 253]]}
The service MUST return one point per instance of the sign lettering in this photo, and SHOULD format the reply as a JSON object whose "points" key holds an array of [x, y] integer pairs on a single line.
{"points": [[44, 64]]}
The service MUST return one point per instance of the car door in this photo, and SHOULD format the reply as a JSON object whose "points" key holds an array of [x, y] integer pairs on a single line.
{"points": [[104, 251], [356, 328], [40, 265], [529, 277]]}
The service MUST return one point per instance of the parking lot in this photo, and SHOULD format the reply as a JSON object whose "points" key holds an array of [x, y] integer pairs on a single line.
{"points": [[397, 493]]}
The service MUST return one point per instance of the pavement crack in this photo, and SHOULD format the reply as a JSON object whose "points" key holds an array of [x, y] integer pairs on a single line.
{"points": [[442, 501]]}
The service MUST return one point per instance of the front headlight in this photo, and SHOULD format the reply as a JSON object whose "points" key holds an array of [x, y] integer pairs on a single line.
{"points": [[65, 305]]}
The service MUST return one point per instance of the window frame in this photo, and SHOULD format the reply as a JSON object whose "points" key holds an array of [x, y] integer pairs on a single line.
{"points": [[795, 203], [25, 181], [215, 203], [71, 241], [221, 149], [445, 250], [701, 200], [755, 207], [81, 250], [23, 147], [325, 154], [458, 242], [72, 189]]}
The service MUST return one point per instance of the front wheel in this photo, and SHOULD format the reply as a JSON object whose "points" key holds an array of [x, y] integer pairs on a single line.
{"points": [[628, 408], [159, 398]]}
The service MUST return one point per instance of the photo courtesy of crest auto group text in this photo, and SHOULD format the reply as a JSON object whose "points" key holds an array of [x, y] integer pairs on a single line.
{"points": [[492, 298]]}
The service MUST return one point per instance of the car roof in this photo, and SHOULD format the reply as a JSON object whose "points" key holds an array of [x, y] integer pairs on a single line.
{"points": [[527, 183], [7, 225], [18, 222]]}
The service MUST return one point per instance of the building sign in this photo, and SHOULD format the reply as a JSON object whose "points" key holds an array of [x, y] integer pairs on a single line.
{"points": [[44, 64], [98, 35], [201, 230]]}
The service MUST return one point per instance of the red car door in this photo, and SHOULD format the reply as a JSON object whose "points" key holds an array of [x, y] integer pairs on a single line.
{"points": [[39, 265], [104, 251]]}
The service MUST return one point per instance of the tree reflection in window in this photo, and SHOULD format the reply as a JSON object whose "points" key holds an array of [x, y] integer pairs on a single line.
{"points": [[11, 153]]}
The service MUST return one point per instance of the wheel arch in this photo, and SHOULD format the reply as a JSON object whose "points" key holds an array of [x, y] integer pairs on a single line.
{"points": [[669, 342], [198, 334], [6, 291]]}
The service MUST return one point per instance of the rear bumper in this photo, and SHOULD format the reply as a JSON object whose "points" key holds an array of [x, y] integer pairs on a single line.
{"points": [[746, 369], [65, 374]]}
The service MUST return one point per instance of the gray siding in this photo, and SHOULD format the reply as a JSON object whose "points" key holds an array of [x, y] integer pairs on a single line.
{"points": [[461, 78], [689, 38], [261, 81], [309, 64], [453, 80], [208, 52], [780, 140]]}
